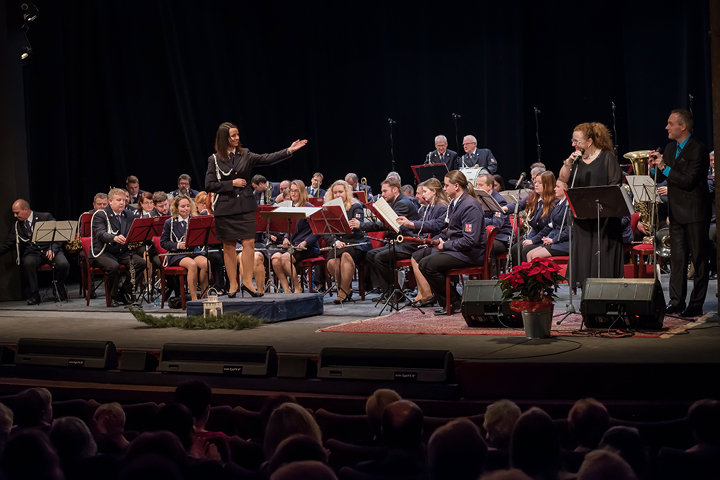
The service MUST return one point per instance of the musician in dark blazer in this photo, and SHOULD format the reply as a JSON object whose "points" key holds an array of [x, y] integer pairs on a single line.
{"points": [[685, 162], [556, 234], [265, 192], [379, 259], [109, 246], [184, 187], [480, 157], [442, 154], [146, 206], [539, 208], [356, 186], [461, 244], [315, 189], [228, 175], [32, 256], [132, 185], [501, 220]]}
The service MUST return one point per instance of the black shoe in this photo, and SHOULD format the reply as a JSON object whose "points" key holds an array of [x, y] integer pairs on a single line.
{"points": [[127, 298], [427, 303], [244, 289], [34, 300], [93, 295], [671, 309], [114, 303], [692, 312]]}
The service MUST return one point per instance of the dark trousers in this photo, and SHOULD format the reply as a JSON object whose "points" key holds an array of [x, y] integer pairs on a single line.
{"points": [[382, 267], [110, 264], [690, 239], [499, 247], [433, 269], [32, 261]]}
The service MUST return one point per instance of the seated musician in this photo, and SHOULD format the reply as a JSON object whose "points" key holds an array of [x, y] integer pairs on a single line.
{"points": [[109, 246], [132, 185], [162, 204], [461, 245], [538, 206], [556, 234], [284, 194], [355, 186], [100, 201], [183, 187], [314, 190], [348, 249], [432, 222], [173, 239], [265, 192], [132, 209], [146, 206], [499, 219], [32, 256], [303, 240], [379, 260], [409, 192], [201, 202], [476, 157]]}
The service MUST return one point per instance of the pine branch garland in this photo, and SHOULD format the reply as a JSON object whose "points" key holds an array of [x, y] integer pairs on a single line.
{"points": [[229, 321]]}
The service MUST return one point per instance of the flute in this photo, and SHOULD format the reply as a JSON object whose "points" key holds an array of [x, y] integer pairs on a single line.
{"points": [[423, 241], [325, 249]]}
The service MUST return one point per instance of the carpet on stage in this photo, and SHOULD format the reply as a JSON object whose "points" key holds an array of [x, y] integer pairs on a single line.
{"points": [[411, 321]]}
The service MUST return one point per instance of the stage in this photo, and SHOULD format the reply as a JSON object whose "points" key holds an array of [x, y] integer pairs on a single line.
{"points": [[674, 370]]}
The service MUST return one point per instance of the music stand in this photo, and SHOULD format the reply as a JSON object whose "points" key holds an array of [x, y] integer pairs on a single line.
{"points": [[487, 202], [50, 232], [143, 230], [331, 220], [201, 233], [428, 171], [316, 201], [361, 195], [599, 202]]}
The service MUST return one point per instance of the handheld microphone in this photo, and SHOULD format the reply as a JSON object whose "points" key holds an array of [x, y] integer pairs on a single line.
{"points": [[391, 121], [582, 152], [520, 180]]}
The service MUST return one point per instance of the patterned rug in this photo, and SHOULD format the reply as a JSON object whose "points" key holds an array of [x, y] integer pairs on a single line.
{"points": [[411, 321]]}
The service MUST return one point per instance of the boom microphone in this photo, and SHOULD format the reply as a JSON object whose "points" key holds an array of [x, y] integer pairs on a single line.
{"points": [[391, 121], [455, 115]]}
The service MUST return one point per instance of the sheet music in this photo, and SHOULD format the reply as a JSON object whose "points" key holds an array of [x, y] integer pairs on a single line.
{"points": [[387, 214], [54, 231], [514, 196], [308, 211], [487, 201], [285, 203], [642, 187], [335, 201]]}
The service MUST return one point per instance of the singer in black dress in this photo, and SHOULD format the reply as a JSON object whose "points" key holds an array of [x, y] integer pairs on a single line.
{"points": [[593, 164]]}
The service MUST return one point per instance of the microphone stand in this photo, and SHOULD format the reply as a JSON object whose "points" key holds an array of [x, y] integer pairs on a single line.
{"points": [[569, 307], [455, 117], [614, 129], [392, 122], [691, 102], [537, 132]]}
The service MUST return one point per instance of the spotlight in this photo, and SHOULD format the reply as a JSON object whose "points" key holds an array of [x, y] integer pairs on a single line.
{"points": [[25, 48], [30, 11]]}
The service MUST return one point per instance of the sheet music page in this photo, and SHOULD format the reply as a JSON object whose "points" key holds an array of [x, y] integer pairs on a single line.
{"points": [[387, 213], [285, 203], [487, 201], [335, 201], [642, 187], [306, 210]]}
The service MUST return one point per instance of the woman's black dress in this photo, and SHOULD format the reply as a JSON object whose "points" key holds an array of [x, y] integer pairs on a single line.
{"points": [[604, 170]]}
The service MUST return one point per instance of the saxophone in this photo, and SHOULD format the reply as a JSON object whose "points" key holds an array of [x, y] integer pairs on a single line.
{"points": [[268, 193], [639, 161]]}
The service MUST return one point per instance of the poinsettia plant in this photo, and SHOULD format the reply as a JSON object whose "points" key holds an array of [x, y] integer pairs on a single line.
{"points": [[531, 285]]}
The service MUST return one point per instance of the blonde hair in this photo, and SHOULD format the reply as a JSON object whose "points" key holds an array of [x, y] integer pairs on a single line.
{"points": [[349, 199], [174, 206], [287, 420], [303, 193], [116, 192]]}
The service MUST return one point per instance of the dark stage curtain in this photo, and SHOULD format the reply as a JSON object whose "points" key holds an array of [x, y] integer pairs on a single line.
{"points": [[139, 87]]}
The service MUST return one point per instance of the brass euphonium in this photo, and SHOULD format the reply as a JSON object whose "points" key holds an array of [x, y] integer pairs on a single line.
{"points": [[639, 161]]}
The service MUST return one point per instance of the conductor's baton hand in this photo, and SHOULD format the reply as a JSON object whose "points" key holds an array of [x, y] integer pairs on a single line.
{"points": [[297, 145]]}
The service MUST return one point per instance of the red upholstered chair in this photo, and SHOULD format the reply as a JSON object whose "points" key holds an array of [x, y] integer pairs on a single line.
{"points": [[308, 265], [180, 272], [91, 272], [479, 271]]}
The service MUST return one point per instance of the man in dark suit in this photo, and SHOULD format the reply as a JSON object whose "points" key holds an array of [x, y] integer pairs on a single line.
{"points": [[314, 190], [441, 154], [109, 246], [32, 256], [132, 184], [480, 157], [265, 192], [162, 204], [352, 180], [183, 187], [685, 163]]}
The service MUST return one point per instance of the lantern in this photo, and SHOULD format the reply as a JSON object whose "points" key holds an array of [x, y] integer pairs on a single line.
{"points": [[211, 305]]}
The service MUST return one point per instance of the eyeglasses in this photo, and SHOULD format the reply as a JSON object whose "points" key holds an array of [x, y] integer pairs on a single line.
{"points": [[575, 142], [471, 143]]}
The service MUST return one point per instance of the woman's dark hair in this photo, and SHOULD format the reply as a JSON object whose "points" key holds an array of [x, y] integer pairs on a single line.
{"points": [[176, 418], [164, 444], [500, 182], [29, 454], [535, 446], [222, 140]]}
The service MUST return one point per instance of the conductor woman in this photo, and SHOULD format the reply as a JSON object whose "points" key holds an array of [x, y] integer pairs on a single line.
{"points": [[228, 176]]}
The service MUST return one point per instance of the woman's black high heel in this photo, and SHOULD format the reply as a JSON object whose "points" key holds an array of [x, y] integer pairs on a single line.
{"points": [[244, 289], [232, 295]]}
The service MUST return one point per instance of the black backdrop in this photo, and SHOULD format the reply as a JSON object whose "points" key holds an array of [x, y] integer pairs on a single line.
{"points": [[139, 87]]}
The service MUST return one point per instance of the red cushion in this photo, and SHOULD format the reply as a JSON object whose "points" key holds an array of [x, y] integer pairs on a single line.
{"points": [[404, 263]]}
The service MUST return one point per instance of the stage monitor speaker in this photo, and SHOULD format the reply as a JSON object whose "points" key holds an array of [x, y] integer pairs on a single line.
{"points": [[622, 302], [236, 360], [138, 361], [296, 366], [483, 306], [432, 366], [66, 353]]}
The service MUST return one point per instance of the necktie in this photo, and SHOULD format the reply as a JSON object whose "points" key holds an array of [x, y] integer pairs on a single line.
{"points": [[28, 226], [232, 157]]}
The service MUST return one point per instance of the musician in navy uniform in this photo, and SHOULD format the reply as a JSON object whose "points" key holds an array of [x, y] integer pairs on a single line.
{"points": [[476, 157], [109, 246], [356, 186], [184, 187], [260, 190], [132, 184], [33, 256], [432, 222], [348, 249], [304, 242], [442, 154], [461, 244], [174, 238], [556, 234], [314, 189], [501, 220], [378, 260]]}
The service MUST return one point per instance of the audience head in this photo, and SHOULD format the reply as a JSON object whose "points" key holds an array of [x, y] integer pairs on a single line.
{"points": [[402, 425], [704, 420], [297, 448], [588, 420], [6, 423], [441, 144], [162, 204], [500, 418], [72, 440], [30, 455], [626, 442], [498, 183], [298, 193], [456, 451], [511, 474], [183, 206], [151, 467], [304, 471], [227, 138], [592, 133], [176, 418], [535, 446], [375, 405], [195, 395], [109, 420], [132, 184], [33, 408], [100, 201], [163, 443], [605, 465], [289, 419], [271, 404]]}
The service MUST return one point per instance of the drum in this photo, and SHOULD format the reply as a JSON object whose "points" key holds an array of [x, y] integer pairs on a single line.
{"points": [[472, 173]]}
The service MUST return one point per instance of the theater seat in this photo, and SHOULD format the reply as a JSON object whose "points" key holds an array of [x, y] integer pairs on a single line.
{"points": [[346, 428], [347, 455]]}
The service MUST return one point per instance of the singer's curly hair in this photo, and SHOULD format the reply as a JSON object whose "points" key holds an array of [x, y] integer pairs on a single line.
{"points": [[598, 133]]}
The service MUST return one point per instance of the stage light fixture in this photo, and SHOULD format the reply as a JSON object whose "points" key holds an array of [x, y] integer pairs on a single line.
{"points": [[30, 11], [25, 48]]}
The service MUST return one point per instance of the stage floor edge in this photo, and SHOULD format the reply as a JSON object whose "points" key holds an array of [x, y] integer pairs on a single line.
{"points": [[272, 307]]}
